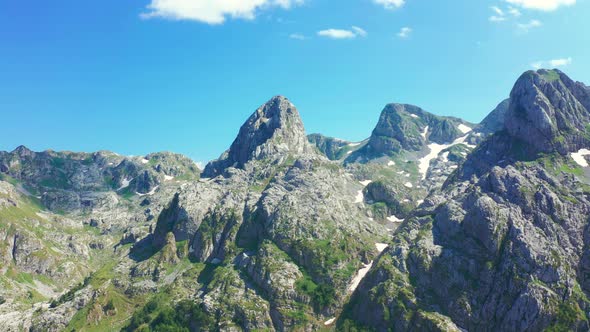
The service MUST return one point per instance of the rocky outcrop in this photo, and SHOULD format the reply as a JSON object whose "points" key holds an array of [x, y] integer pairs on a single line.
{"points": [[549, 112], [333, 148], [272, 133], [83, 182], [494, 121]]}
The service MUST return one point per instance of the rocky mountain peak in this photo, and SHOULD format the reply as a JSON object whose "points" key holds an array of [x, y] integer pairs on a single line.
{"points": [[273, 131], [22, 151], [408, 127], [549, 111]]}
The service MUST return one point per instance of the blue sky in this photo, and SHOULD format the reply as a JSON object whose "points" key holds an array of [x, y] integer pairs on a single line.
{"points": [[183, 75]]}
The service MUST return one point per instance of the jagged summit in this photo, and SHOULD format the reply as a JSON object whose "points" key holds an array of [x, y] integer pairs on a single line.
{"points": [[22, 151], [549, 111], [273, 131]]}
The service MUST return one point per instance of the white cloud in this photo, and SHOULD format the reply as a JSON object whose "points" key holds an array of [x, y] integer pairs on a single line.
{"points": [[546, 5], [503, 15], [405, 32], [552, 63], [343, 34], [496, 18], [211, 11], [514, 12], [525, 27], [297, 36], [390, 4], [358, 31], [497, 10], [560, 62]]}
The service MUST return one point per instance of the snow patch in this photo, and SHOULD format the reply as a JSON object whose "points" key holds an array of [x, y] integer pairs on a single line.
{"points": [[425, 132], [414, 115], [394, 219], [365, 183], [435, 150], [354, 144], [579, 157], [408, 184], [144, 161], [381, 246], [330, 321], [124, 184], [168, 177], [359, 276], [153, 191], [348, 152], [359, 197], [464, 129], [391, 163]]}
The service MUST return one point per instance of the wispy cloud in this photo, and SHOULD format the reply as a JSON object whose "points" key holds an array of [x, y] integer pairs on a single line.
{"points": [[404, 32], [503, 15], [525, 27], [390, 4], [353, 32], [297, 36], [545, 5], [358, 31], [562, 62], [211, 11]]}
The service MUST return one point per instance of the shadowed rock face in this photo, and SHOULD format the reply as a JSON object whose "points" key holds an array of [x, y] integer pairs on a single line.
{"points": [[495, 120], [273, 132], [331, 147], [549, 111]]}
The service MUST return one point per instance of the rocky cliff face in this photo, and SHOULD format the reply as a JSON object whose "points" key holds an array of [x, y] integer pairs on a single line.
{"points": [[494, 122], [549, 111], [331, 147], [502, 246], [273, 132], [405, 127]]}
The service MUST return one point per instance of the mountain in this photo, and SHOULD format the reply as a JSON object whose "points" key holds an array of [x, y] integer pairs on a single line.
{"points": [[502, 245], [431, 223], [273, 132], [409, 127]]}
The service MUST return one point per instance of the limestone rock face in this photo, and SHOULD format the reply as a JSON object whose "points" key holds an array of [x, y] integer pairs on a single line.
{"points": [[549, 111], [273, 132], [333, 148], [494, 121]]}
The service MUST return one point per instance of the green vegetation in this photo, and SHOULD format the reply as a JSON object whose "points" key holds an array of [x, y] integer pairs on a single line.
{"points": [[70, 294], [567, 317], [9, 179], [157, 312], [322, 295], [551, 76]]}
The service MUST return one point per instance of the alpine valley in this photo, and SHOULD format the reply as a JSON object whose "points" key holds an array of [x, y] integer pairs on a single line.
{"points": [[430, 224]]}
